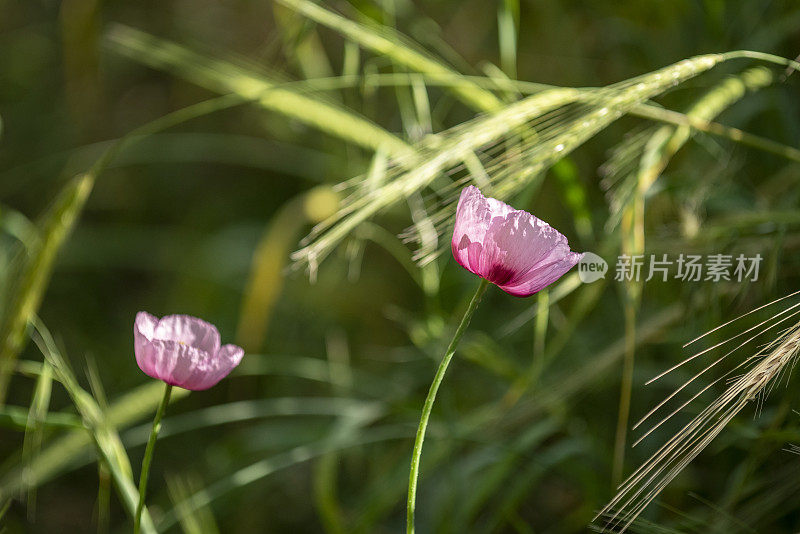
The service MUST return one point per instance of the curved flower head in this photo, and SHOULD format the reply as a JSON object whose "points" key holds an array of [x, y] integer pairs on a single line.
{"points": [[510, 248], [182, 351]]}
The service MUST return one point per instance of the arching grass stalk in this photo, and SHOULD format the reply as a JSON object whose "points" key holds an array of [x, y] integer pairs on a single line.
{"points": [[148, 456], [428, 406]]}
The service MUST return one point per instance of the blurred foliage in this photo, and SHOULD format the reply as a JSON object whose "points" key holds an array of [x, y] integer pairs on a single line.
{"points": [[169, 157]]}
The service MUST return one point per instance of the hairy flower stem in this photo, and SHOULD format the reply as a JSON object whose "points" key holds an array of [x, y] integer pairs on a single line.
{"points": [[428, 406], [148, 456]]}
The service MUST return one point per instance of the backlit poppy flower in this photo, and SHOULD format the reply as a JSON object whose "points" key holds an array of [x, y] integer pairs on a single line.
{"points": [[182, 351], [510, 248]]}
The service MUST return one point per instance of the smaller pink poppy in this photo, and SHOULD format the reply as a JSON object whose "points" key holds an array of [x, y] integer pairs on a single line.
{"points": [[510, 248], [182, 351]]}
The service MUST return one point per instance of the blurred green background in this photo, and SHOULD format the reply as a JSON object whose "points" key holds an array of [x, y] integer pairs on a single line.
{"points": [[313, 433]]}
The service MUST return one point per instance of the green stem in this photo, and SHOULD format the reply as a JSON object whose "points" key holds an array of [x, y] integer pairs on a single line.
{"points": [[428, 406], [148, 456], [625, 395]]}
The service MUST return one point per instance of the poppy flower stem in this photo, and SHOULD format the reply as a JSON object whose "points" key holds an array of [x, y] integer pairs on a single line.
{"points": [[148, 456], [429, 400]]}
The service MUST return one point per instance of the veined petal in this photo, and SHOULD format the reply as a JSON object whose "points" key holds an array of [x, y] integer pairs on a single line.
{"points": [[182, 365], [190, 331], [511, 248], [182, 351], [228, 357], [144, 325], [474, 215], [542, 276]]}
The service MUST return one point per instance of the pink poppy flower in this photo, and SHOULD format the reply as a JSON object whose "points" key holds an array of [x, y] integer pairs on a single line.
{"points": [[182, 351], [510, 248]]}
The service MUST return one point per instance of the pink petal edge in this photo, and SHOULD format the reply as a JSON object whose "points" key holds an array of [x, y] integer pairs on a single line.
{"points": [[178, 361], [512, 248]]}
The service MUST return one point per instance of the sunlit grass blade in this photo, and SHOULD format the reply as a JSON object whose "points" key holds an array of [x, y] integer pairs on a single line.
{"points": [[16, 225], [106, 440], [635, 175], [225, 77], [326, 499], [228, 149], [576, 197], [269, 260], [507, 30], [63, 453], [70, 451], [302, 44], [780, 299], [245, 476], [16, 418], [562, 120], [34, 428], [239, 411], [391, 244], [387, 42], [21, 243], [337, 374], [27, 295], [194, 519], [451, 151]]}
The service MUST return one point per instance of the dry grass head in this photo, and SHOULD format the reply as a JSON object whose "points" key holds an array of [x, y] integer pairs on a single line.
{"points": [[758, 374]]}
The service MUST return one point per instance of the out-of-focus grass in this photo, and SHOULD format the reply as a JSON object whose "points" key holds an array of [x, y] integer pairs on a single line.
{"points": [[25, 296], [110, 450], [247, 109]]}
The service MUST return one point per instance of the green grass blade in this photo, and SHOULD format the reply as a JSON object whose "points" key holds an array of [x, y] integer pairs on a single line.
{"points": [[24, 302], [16, 418], [507, 30], [194, 518], [107, 442], [659, 144], [73, 448], [387, 42], [225, 77], [558, 129], [268, 466], [34, 428], [265, 279]]}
